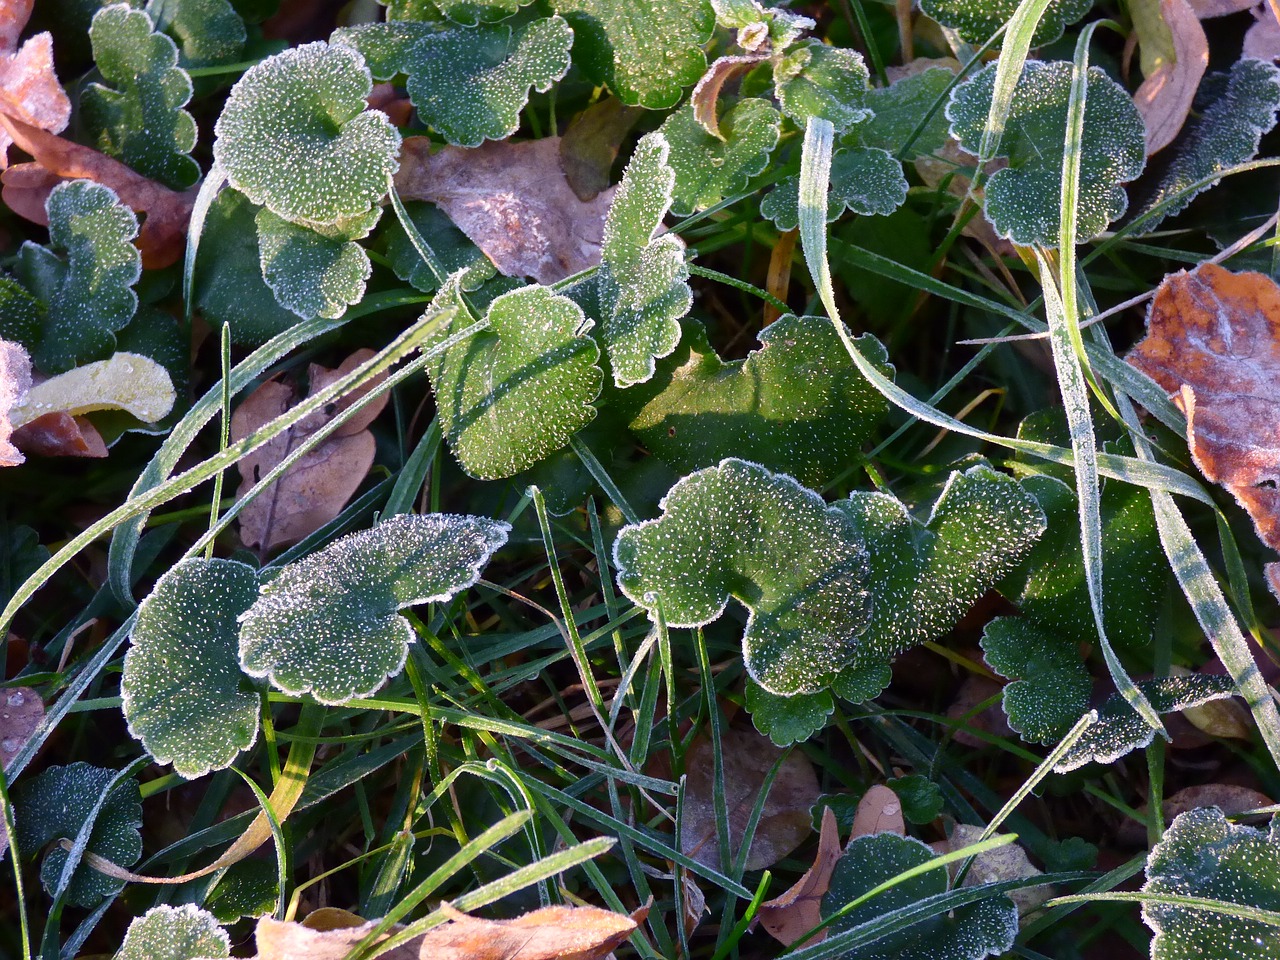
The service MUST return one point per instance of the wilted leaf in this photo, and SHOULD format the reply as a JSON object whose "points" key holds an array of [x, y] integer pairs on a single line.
{"points": [[513, 201], [1230, 798], [21, 711], [1051, 686], [15, 381], [1166, 95], [705, 99], [747, 758], [590, 145], [517, 391], [738, 530], [816, 80], [788, 916], [866, 180], [787, 720], [137, 115], [60, 435], [328, 624], [1262, 40], [129, 382], [295, 136], [879, 811], [183, 693], [709, 169], [29, 88], [795, 404], [1203, 855], [1022, 200], [316, 488], [1009, 862], [977, 20], [174, 933], [310, 274]]}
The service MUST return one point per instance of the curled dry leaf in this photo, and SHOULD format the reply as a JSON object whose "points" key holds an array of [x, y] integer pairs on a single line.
{"points": [[15, 381], [1207, 9], [60, 435], [1166, 95], [879, 811], [512, 200], [29, 89], [706, 95], [1213, 343], [789, 916], [316, 488]]}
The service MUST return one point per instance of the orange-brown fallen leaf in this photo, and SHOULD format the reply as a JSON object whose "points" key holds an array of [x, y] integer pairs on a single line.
{"points": [[512, 200], [1165, 97], [60, 435], [15, 381], [789, 916], [316, 488], [879, 811], [552, 933], [1213, 343], [706, 94], [29, 88]]}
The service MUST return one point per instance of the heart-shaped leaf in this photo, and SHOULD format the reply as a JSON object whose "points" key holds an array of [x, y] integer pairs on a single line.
{"points": [[328, 624], [815, 80], [139, 118], [738, 530], [1022, 200], [517, 391], [183, 693], [1050, 688], [796, 404], [1203, 854], [174, 933], [709, 169], [977, 20], [310, 274], [865, 180], [295, 136]]}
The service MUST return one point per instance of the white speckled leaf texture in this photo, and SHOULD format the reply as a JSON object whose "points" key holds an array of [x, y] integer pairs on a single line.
{"points": [[175, 933]]}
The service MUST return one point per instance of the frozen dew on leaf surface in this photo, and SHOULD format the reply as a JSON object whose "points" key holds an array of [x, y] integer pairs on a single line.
{"points": [[175, 933]]}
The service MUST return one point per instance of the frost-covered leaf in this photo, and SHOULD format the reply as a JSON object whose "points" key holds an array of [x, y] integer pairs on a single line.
{"points": [[925, 576], [898, 110], [817, 80], [87, 292], [310, 274], [137, 115], [1120, 730], [1050, 688], [328, 624], [295, 136], [1203, 854], [709, 169], [865, 180], [55, 805], [641, 284], [1237, 108], [208, 32], [737, 530], [183, 693], [977, 20], [756, 23], [646, 51], [1022, 200], [174, 933], [471, 12], [978, 930], [795, 404], [15, 381], [517, 391], [449, 244], [788, 720], [27, 77], [135, 384], [1009, 862], [469, 84]]}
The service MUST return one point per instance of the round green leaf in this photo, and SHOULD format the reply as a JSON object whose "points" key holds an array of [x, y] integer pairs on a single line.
{"points": [[310, 274], [815, 80], [866, 180], [709, 169], [174, 933], [328, 624], [788, 720], [183, 692], [977, 20], [1050, 688]]}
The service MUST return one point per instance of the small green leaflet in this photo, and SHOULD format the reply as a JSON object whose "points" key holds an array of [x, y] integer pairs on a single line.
{"points": [[816, 80], [921, 798], [89, 294], [898, 110], [449, 244], [865, 180], [709, 169], [138, 117], [328, 624], [981, 929], [295, 136], [175, 933], [795, 404], [467, 12], [787, 720], [208, 32], [183, 693], [1050, 686], [310, 274], [1022, 200], [738, 530], [977, 20], [56, 804], [1203, 854], [517, 391], [641, 283], [756, 23]]}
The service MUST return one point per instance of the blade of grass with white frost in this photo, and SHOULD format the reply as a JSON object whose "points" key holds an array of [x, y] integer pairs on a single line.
{"points": [[1013, 55]]}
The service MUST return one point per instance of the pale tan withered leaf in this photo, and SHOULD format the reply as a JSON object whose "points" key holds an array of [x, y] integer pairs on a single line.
{"points": [[15, 381], [879, 811], [790, 915], [1166, 95], [125, 381], [29, 88]]}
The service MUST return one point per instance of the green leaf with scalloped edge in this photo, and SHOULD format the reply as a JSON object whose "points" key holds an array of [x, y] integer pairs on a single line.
{"points": [[310, 274], [925, 576], [921, 798], [208, 32], [981, 929], [1120, 730], [465, 12], [450, 245], [1202, 854], [865, 180], [88, 291], [898, 110], [137, 116], [641, 284], [1022, 200], [517, 391], [645, 51], [788, 720], [174, 933], [1050, 685], [755, 23], [796, 404], [1235, 110], [976, 20], [328, 624], [709, 169], [56, 803], [814, 80], [738, 530], [183, 693], [296, 137]]}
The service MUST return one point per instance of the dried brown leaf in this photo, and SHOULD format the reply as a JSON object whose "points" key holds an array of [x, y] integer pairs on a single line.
{"points": [[706, 95], [1003, 863], [879, 811], [60, 435], [787, 917], [748, 758], [29, 88], [693, 903], [512, 200], [15, 381], [21, 711], [316, 488], [1230, 798], [1208, 9], [590, 146], [1262, 40], [1166, 95]]}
